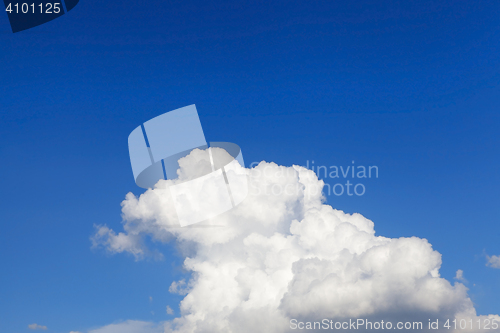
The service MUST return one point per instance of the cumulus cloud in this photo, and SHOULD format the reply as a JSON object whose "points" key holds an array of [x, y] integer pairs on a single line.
{"points": [[169, 310], [37, 327], [493, 261], [284, 255]]}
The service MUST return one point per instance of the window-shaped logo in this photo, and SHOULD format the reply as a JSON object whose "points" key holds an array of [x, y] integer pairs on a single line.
{"points": [[24, 14], [156, 150]]}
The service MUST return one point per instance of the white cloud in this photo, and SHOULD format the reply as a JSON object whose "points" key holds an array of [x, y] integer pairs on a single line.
{"points": [[121, 242], [459, 276], [283, 254], [37, 327], [130, 326], [117, 243], [493, 261], [75, 332], [179, 287], [169, 310]]}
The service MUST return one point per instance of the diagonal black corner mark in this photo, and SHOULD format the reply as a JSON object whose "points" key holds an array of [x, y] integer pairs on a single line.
{"points": [[70, 4]]}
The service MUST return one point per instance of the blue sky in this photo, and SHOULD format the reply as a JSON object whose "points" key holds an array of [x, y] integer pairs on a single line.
{"points": [[410, 88]]}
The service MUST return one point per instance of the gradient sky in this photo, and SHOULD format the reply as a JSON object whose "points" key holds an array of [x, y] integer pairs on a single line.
{"points": [[411, 88]]}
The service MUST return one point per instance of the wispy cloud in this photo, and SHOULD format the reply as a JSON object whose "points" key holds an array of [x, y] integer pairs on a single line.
{"points": [[131, 326], [37, 327], [459, 276]]}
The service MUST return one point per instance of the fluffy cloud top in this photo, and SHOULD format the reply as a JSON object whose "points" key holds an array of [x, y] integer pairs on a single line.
{"points": [[282, 254]]}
